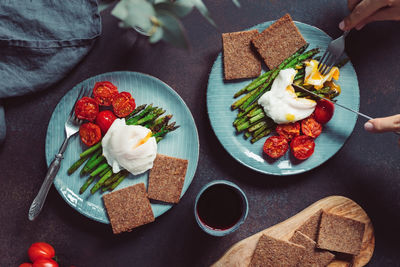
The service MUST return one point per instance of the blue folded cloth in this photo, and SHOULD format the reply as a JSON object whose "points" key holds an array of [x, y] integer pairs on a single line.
{"points": [[41, 41]]}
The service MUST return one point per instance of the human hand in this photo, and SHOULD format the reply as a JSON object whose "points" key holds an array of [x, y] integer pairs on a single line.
{"points": [[365, 11], [381, 125]]}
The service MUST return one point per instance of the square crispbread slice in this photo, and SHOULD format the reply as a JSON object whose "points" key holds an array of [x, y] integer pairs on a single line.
{"points": [[311, 227], [166, 178], [274, 252], [278, 41], [128, 208], [340, 234], [312, 256], [239, 59]]}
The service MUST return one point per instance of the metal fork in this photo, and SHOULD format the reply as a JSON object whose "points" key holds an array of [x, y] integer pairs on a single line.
{"points": [[71, 128], [332, 54]]}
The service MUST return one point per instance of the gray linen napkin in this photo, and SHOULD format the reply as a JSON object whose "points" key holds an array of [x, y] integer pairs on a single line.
{"points": [[41, 41]]}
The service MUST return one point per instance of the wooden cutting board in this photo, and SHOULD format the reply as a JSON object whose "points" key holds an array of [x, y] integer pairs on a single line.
{"points": [[240, 254]]}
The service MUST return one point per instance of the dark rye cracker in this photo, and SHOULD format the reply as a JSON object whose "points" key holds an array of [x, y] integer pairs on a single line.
{"points": [[311, 227], [278, 41], [340, 234], [312, 257], [274, 252], [166, 178], [128, 208], [239, 59]]}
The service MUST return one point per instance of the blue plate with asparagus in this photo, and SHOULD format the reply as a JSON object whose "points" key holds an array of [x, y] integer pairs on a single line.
{"points": [[85, 174], [242, 125]]}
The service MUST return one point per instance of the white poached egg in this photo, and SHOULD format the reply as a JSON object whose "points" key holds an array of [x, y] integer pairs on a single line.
{"points": [[129, 147], [281, 103]]}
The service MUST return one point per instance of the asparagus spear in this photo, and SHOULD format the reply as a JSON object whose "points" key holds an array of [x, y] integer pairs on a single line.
{"points": [[151, 116], [142, 114], [99, 169], [86, 184], [85, 168], [90, 150], [114, 185], [261, 135], [135, 111], [93, 164], [76, 165], [101, 182]]}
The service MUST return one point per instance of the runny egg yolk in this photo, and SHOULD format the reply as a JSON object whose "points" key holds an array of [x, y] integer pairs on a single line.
{"points": [[315, 78], [290, 117], [144, 139]]}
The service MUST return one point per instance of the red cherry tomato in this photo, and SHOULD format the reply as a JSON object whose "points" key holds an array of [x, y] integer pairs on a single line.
{"points": [[26, 264], [302, 147], [311, 127], [86, 109], [275, 146], [45, 263], [41, 250], [289, 130], [324, 111], [123, 104], [90, 133], [104, 120], [103, 93]]}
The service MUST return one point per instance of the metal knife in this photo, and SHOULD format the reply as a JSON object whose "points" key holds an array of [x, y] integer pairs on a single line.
{"points": [[337, 104]]}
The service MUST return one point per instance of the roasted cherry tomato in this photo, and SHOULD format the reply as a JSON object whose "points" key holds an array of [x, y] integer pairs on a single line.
{"points": [[25, 264], [41, 250], [289, 130], [302, 147], [104, 92], [45, 263], [311, 127], [275, 146], [104, 120], [324, 111], [123, 104], [86, 109], [90, 133]]}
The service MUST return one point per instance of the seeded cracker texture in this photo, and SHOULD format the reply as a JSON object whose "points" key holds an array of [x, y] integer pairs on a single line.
{"points": [[128, 208], [340, 234], [278, 41], [311, 227], [166, 178], [312, 257], [273, 252], [239, 59]]}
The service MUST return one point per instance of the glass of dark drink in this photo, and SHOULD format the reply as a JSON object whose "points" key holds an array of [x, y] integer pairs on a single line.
{"points": [[220, 208]]}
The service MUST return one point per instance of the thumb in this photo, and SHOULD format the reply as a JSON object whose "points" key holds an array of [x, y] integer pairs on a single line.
{"points": [[381, 125]]}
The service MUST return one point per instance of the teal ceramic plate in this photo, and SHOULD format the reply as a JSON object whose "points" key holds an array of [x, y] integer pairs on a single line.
{"points": [[182, 143], [334, 135]]}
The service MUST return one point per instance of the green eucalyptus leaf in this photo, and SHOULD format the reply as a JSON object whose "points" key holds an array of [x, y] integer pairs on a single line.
{"points": [[135, 13], [103, 4], [203, 10], [178, 8], [236, 2], [173, 31]]}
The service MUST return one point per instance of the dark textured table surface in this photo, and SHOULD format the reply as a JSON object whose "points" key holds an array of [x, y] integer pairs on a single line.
{"points": [[366, 169]]}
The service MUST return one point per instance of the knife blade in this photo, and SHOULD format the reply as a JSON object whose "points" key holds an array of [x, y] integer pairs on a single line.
{"points": [[333, 102]]}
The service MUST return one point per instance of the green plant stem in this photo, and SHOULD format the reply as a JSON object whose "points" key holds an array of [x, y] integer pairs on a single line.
{"points": [[90, 150], [101, 182], [99, 169], [257, 126], [85, 168], [135, 111], [151, 116], [101, 159], [261, 135], [86, 184], [134, 119], [114, 185], [257, 117], [76, 165]]}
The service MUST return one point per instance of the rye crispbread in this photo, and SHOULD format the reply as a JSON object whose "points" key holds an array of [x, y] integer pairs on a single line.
{"points": [[128, 208], [340, 234], [312, 257], [278, 41], [311, 227], [274, 252], [166, 178], [239, 59]]}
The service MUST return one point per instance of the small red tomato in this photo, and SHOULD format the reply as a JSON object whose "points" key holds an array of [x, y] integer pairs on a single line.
{"points": [[123, 104], [86, 109], [103, 93], [311, 127], [90, 133], [26, 264], [40, 250], [45, 263], [275, 146], [324, 111], [289, 130], [104, 120], [302, 147]]}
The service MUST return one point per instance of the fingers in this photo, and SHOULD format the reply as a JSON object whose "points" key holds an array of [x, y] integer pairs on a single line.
{"points": [[351, 4], [386, 13], [381, 125], [361, 12]]}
